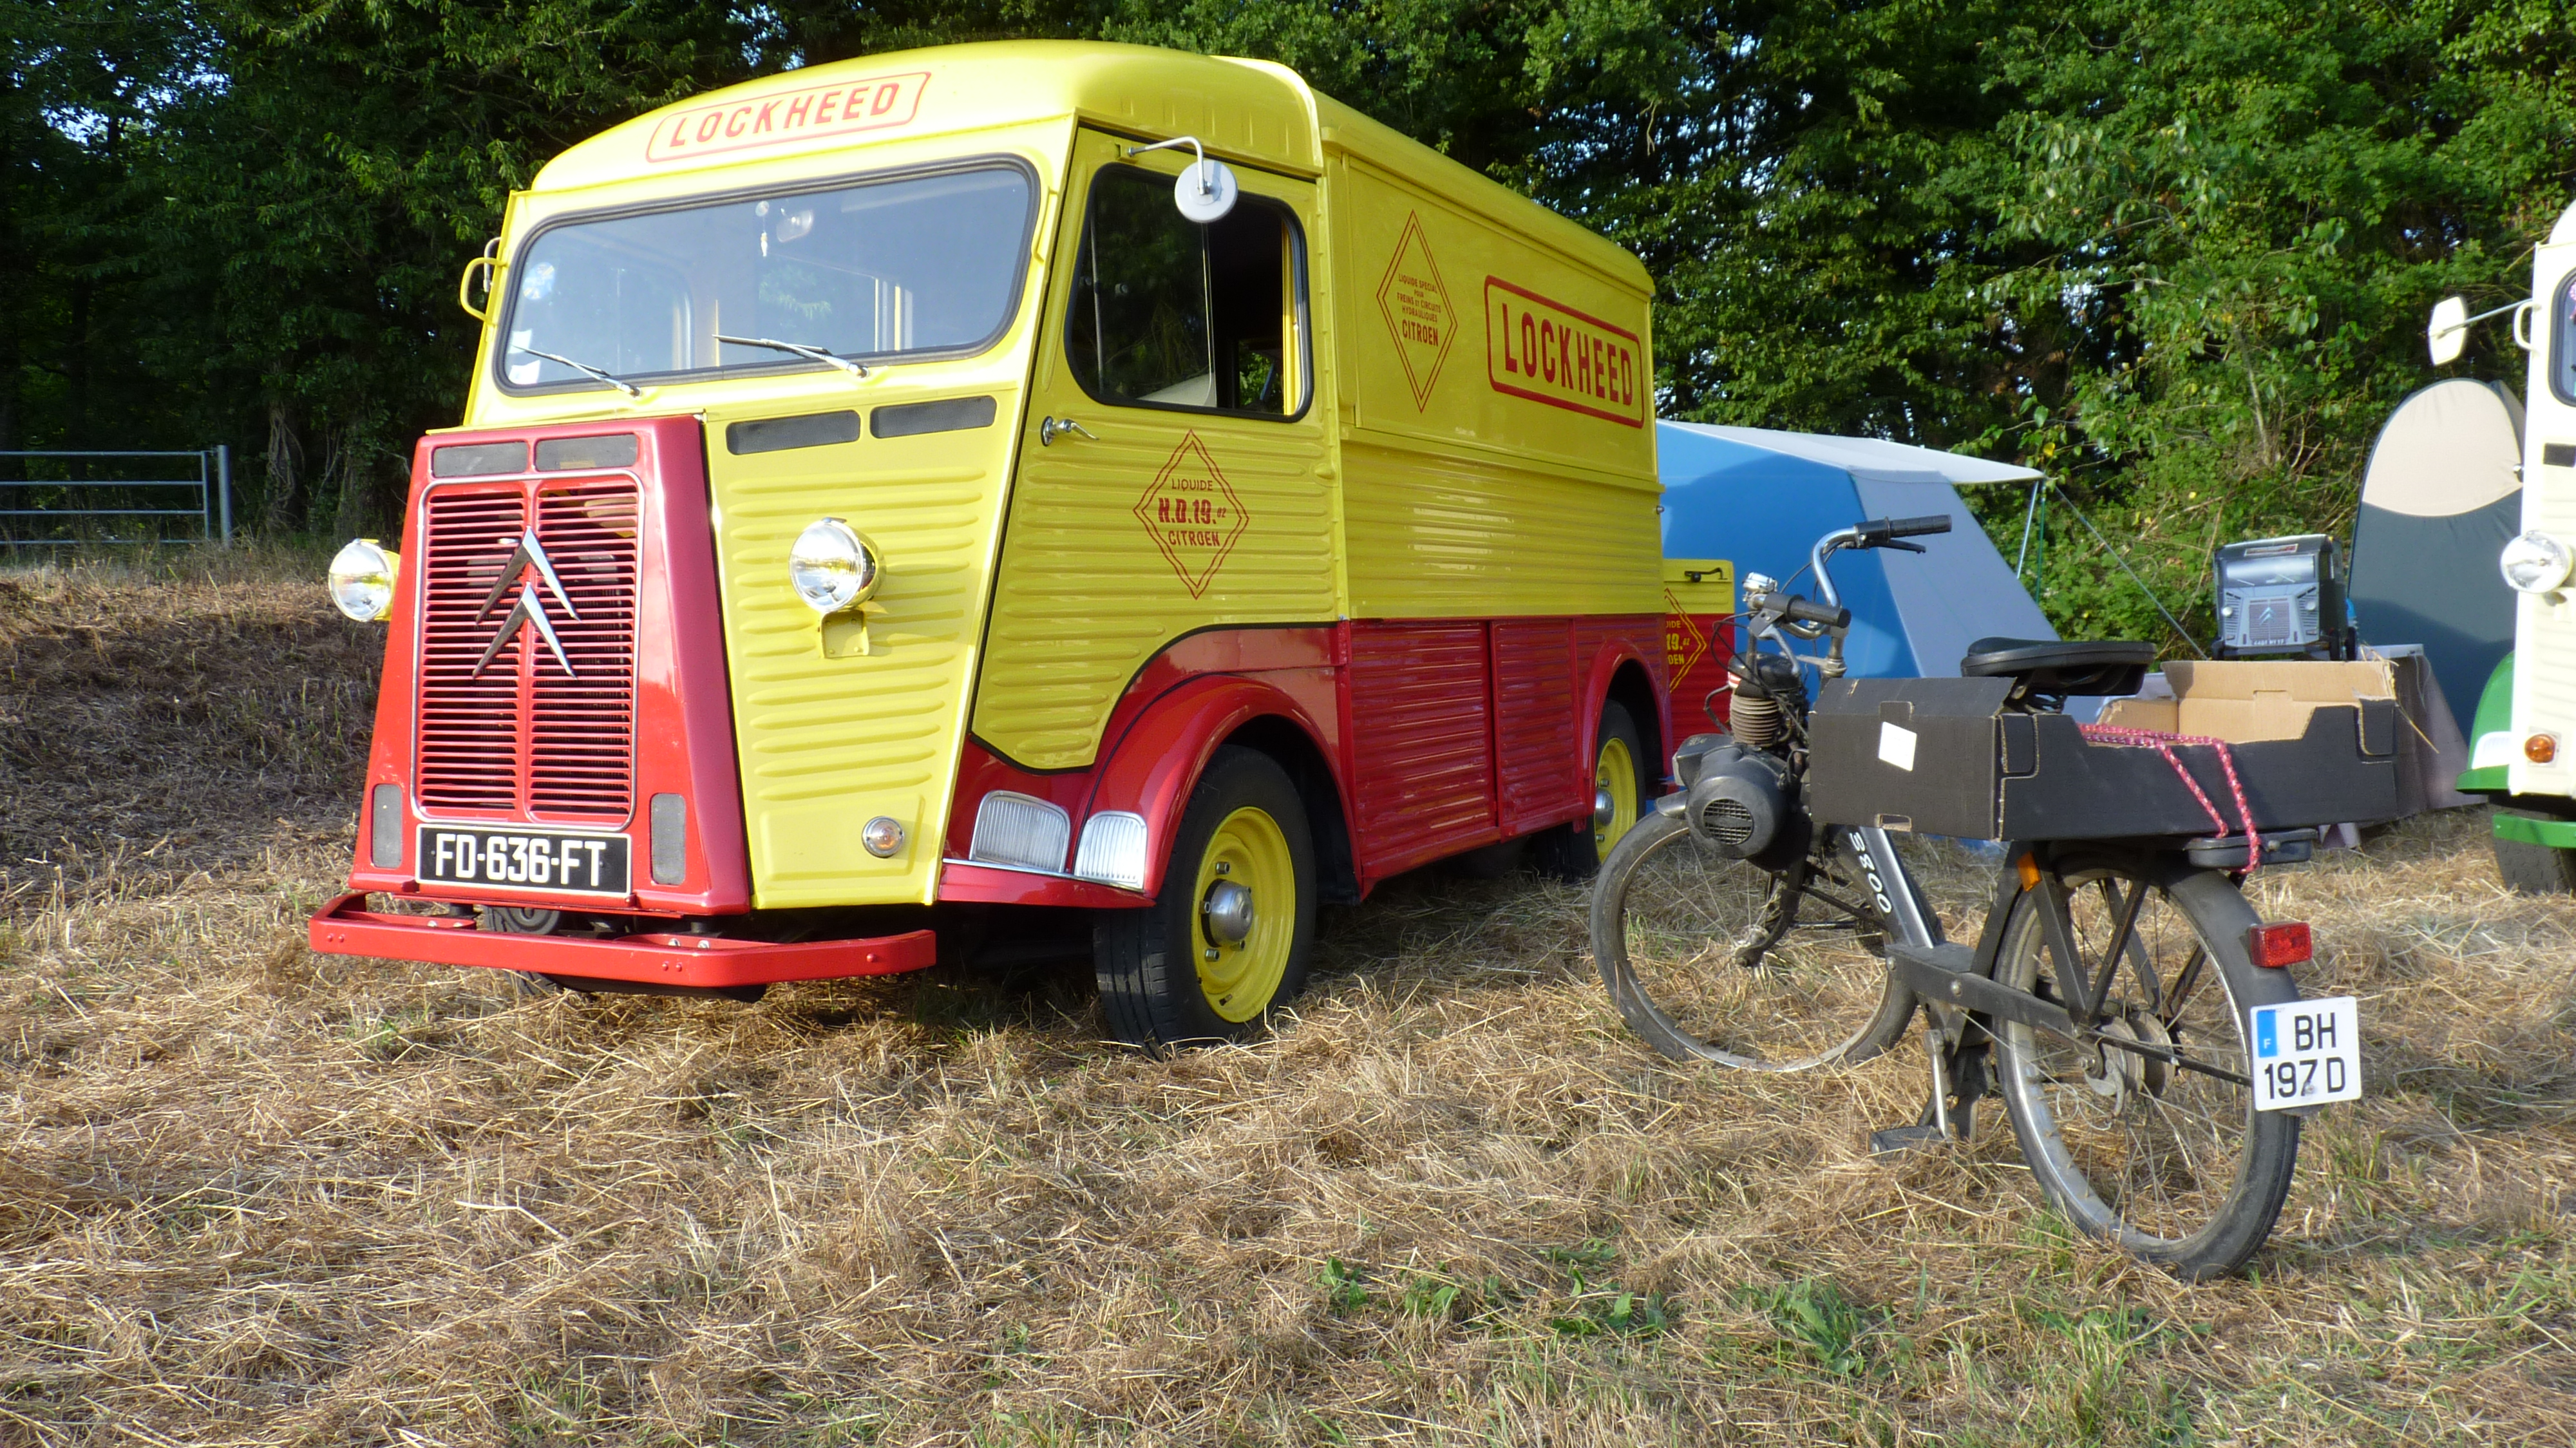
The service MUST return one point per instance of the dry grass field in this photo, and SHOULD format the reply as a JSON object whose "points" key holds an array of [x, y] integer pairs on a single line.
{"points": [[251, 1195]]}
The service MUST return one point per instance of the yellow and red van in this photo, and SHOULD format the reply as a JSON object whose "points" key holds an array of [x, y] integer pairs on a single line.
{"points": [[1040, 475]]}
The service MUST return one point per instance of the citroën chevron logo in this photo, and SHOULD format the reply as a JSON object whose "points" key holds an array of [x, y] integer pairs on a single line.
{"points": [[528, 556]]}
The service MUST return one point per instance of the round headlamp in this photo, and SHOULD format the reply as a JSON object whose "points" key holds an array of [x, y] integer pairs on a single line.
{"points": [[362, 580], [2535, 563], [831, 566]]}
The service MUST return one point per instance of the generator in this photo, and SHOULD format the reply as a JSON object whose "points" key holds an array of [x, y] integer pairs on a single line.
{"points": [[2283, 596]]}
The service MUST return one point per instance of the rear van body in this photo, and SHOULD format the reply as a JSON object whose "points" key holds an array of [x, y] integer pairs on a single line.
{"points": [[1349, 494]]}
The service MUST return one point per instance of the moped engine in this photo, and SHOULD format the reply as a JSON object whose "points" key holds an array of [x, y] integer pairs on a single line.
{"points": [[1767, 690], [1738, 801]]}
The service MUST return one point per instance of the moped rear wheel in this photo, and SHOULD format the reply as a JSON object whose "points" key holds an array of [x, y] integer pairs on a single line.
{"points": [[1716, 959], [2169, 1159]]}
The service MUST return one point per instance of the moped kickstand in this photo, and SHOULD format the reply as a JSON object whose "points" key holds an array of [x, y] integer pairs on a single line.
{"points": [[1958, 1080]]}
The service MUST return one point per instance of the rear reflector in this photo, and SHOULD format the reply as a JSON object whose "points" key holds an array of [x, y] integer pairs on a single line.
{"points": [[2274, 946]]}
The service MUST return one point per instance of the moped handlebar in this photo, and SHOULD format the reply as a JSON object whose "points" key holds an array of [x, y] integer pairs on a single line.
{"points": [[1878, 532], [1798, 610]]}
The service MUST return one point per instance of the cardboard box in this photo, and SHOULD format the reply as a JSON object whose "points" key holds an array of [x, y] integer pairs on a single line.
{"points": [[2314, 744]]}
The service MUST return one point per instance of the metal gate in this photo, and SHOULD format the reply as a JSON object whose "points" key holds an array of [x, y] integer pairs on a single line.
{"points": [[76, 509]]}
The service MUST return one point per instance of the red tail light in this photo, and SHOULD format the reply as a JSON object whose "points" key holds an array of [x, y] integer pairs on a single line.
{"points": [[2274, 946]]}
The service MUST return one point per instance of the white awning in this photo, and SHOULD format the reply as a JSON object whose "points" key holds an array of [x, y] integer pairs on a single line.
{"points": [[1870, 459]]}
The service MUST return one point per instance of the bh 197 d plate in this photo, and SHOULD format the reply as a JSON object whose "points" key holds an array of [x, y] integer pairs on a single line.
{"points": [[2307, 1053], [554, 861]]}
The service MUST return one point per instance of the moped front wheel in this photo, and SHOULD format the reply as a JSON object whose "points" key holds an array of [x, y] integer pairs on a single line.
{"points": [[1710, 958]]}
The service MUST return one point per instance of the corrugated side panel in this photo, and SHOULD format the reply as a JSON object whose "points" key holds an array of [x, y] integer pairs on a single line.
{"points": [[1087, 593], [1456, 535], [829, 743], [1423, 730], [1536, 709]]}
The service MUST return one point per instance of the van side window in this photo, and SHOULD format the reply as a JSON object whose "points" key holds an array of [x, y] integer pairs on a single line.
{"points": [[2562, 343], [1170, 313]]}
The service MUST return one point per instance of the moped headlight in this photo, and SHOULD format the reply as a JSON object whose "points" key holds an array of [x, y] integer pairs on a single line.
{"points": [[2535, 563], [831, 567], [362, 580]]}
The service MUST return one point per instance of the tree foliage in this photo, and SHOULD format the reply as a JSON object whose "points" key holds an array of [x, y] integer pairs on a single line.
{"points": [[2176, 254]]}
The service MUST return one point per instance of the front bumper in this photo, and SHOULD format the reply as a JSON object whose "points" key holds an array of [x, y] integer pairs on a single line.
{"points": [[2556, 834], [698, 962]]}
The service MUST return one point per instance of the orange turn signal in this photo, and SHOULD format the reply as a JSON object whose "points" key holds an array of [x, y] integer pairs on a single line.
{"points": [[2540, 748], [2274, 946]]}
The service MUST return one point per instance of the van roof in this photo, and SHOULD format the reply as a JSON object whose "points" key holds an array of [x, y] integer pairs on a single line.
{"points": [[1253, 112]]}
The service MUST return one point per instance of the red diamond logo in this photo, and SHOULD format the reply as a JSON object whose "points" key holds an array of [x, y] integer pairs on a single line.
{"points": [[1415, 303], [1684, 644], [1193, 514]]}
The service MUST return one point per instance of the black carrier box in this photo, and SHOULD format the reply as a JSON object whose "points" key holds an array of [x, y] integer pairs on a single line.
{"points": [[2315, 744]]}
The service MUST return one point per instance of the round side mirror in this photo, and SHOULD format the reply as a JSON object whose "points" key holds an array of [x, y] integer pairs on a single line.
{"points": [[1206, 190], [2448, 332]]}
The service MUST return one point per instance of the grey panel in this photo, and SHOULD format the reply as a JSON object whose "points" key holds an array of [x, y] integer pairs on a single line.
{"points": [[777, 434], [602, 450], [2433, 581], [478, 459], [951, 414], [384, 826], [670, 842]]}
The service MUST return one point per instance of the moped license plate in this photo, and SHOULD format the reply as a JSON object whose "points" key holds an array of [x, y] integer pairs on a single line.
{"points": [[555, 861], [2307, 1053]]}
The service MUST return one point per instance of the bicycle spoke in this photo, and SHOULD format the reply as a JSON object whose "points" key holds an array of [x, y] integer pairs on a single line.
{"points": [[1710, 957], [2144, 1128]]}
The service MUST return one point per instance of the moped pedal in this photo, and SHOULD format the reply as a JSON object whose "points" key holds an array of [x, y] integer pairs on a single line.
{"points": [[1899, 1139]]}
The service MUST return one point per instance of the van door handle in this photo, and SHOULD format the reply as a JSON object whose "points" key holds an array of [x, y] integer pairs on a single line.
{"points": [[1049, 429]]}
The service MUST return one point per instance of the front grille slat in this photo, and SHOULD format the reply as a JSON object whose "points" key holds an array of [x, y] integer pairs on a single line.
{"points": [[524, 739]]}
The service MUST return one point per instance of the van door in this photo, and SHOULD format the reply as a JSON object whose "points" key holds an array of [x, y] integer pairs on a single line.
{"points": [[1170, 478]]}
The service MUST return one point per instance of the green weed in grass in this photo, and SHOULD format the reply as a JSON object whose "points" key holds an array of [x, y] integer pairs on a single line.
{"points": [[1345, 1286], [1819, 1323]]}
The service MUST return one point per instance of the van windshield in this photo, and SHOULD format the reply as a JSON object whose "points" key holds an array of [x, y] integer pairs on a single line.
{"points": [[889, 269]]}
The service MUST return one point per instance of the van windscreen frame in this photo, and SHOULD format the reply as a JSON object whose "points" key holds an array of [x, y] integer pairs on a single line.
{"points": [[504, 328]]}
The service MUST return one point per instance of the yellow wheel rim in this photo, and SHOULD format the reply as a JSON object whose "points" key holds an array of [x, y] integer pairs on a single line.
{"points": [[1616, 776], [1240, 979]]}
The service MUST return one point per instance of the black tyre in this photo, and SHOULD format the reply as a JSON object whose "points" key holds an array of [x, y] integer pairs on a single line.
{"points": [[2533, 869], [1705, 959], [525, 920], [2170, 1162], [1622, 774], [1225, 942]]}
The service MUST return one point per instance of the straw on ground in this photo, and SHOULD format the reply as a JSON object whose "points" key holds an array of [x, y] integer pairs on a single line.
{"points": [[251, 1195]]}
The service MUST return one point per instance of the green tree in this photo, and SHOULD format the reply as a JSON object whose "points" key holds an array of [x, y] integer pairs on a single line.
{"points": [[2176, 254]]}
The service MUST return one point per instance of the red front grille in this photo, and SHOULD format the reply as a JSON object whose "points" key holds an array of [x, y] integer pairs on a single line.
{"points": [[525, 733]]}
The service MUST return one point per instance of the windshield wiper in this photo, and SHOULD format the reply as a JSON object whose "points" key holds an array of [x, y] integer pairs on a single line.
{"points": [[810, 354], [611, 378]]}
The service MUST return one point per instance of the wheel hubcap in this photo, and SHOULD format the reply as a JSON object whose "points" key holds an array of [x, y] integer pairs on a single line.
{"points": [[1243, 951], [1227, 909], [1614, 794]]}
